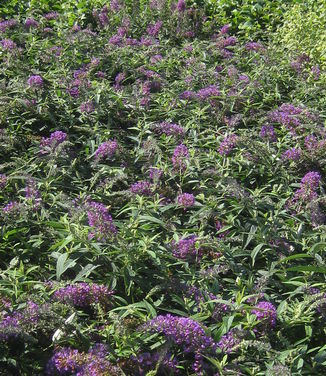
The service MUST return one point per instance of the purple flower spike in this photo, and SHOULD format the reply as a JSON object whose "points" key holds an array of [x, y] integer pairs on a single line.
{"points": [[186, 200], [35, 81], [265, 312]]}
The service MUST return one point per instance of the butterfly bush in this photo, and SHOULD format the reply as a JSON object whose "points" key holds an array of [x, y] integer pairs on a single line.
{"points": [[101, 222], [106, 150], [186, 248], [186, 200], [266, 313], [180, 156], [83, 295], [228, 144], [50, 144], [35, 81]]}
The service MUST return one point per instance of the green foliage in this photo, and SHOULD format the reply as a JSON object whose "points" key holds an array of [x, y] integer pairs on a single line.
{"points": [[303, 30]]}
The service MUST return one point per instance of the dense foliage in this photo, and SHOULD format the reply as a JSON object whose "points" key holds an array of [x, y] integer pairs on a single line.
{"points": [[162, 195]]}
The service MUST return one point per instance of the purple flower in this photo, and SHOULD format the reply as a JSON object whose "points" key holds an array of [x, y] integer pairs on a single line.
{"points": [[225, 29], [154, 174], [4, 25], [254, 46], [268, 131], [50, 144], [185, 249], [228, 342], [146, 362], [230, 41], [101, 222], [187, 95], [87, 107], [83, 295], [186, 200], [31, 23], [115, 5], [32, 194], [106, 149], [265, 312], [3, 180], [228, 144], [156, 58], [182, 331], [154, 29], [142, 188], [293, 154], [181, 6], [8, 44], [35, 81], [287, 115], [310, 142], [308, 187], [170, 129], [315, 70], [207, 92], [12, 209], [180, 157], [51, 16]]}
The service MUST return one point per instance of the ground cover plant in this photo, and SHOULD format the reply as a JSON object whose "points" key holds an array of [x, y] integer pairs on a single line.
{"points": [[162, 195]]}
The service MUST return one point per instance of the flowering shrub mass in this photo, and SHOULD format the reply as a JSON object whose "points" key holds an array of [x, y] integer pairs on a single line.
{"points": [[162, 190]]}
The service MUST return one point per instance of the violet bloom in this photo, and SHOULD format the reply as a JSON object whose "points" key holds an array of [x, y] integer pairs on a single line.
{"points": [[315, 70], [170, 129], [156, 58], [3, 180], [228, 144], [4, 25], [51, 16], [293, 154], [101, 222], [87, 107], [35, 81], [115, 5], [181, 6], [50, 144], [183, 331], [254, 46], [106, 150], [185, 249], [82, 295], [228, 342], [225, 29], [12, 208], [147, 361], [208, 92], [287, 115], [143, 188], [32, 194], [180, 157], [8, 44], [154, 29], [31, 23], [268, 131], [187, 95], [308, 187], [186, 200], [266, 313], [310, 142], [154, 174], [230, 41]]}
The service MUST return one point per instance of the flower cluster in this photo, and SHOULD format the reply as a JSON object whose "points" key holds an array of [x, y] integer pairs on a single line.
{"points": [[292, 154], [308, 187], [106, 149], [180, 157], [185, 249], [183, 331], [35, 81], [71, 361], [229, 342], [186, 200], [3, 180], [101, 222], [228, 144], [287, 115], [142, 188], [145, 362], [268, 131], [82, 295], [50, 144], [170, 129], [266, 313], [32, 194]]}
